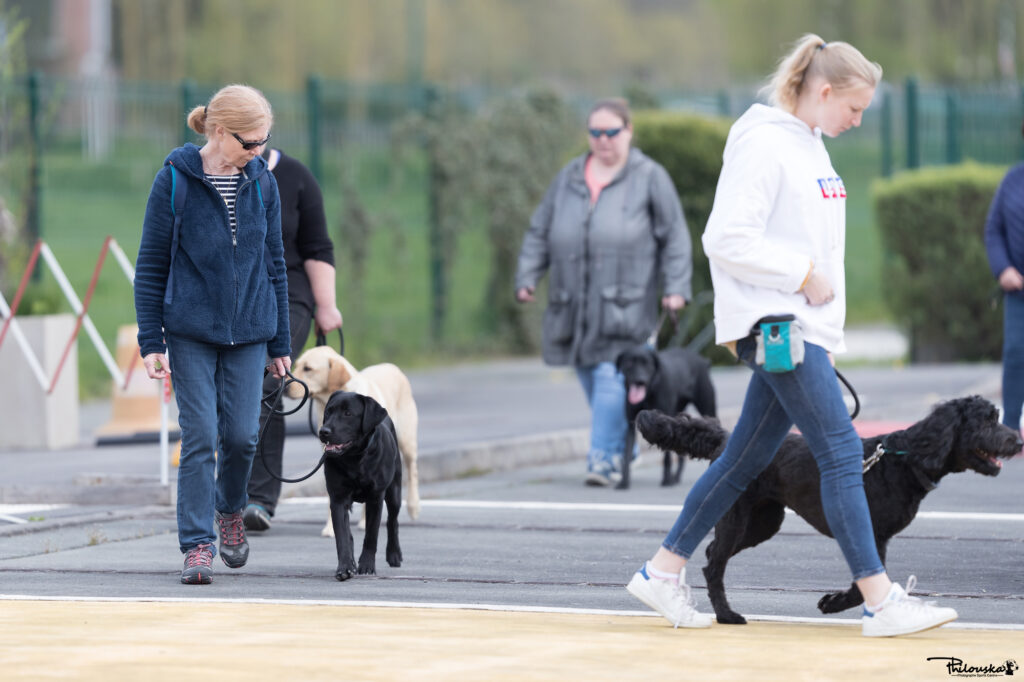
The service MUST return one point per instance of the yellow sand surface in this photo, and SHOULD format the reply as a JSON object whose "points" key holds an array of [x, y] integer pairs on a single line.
{"points": [[216, 641]]}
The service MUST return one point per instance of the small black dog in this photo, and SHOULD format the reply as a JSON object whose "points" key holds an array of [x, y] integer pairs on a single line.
{"points": [[666, 381], [959, 435], [362, 465]]}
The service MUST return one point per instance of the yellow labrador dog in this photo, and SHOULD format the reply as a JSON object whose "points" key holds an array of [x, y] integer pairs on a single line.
{"points": [[325, 371]]}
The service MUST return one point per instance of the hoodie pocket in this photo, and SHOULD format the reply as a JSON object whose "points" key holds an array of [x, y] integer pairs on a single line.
{"points": [[622, 310], [559, 317]]}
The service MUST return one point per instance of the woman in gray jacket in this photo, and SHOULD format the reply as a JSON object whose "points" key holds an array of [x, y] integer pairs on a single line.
{"points": [[612, 234]]}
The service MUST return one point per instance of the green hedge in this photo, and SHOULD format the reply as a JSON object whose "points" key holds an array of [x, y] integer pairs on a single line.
{"points": [[936, 276], [690, 148]]}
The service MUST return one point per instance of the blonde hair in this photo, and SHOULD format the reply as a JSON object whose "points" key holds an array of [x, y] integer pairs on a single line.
{"points": [[839, 64], [236, 107]]}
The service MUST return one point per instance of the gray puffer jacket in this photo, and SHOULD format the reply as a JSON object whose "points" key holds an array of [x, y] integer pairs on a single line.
{"points": [[609, 264]]}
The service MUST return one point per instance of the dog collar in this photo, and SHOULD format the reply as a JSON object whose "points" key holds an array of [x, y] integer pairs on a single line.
{"points": [[922, 478]]}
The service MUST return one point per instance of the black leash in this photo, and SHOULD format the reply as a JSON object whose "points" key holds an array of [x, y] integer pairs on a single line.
{"points": [[652, 340], [849, 386], [274, 398]]}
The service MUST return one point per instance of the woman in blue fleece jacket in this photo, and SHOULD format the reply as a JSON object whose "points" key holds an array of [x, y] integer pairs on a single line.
{"points": [[211, 296], [1004, 242]]}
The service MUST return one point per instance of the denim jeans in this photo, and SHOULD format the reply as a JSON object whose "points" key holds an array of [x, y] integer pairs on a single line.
{"points": [[218, 390], [1013, 359], [606, 395], [808, 396]]}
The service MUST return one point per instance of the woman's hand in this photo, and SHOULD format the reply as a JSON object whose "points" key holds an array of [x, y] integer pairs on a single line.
{"points": [[327, 318], [673, 302], [818, 290], [157, 366], [525, 295], [279, 367], [1010, 279]]}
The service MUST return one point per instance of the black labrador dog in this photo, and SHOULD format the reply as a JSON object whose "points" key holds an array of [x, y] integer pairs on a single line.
{"points": [[362, 465], [666, 381], [959, 435]]}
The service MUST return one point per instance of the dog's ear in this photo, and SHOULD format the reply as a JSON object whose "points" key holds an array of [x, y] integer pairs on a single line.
{"points": [[618, 361], [337, 374], [657, 362], [931, 440], [373, 413]]}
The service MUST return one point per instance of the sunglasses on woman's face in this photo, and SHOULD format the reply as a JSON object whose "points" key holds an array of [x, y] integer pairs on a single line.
{"points": [[251, 145], [607, 132]]}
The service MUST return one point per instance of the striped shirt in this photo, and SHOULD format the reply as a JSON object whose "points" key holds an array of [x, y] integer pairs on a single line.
{"points": [[227, 187]]}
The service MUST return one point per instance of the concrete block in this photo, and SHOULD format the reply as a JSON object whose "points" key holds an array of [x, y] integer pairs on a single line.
{"points": [[29, 417]]}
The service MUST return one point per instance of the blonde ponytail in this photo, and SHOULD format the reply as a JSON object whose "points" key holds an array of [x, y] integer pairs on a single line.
{"points": [[197, 120], [837, 63]]}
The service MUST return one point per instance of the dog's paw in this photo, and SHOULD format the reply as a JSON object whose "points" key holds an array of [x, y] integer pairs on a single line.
{"points": [[394, 558], [367, 567], [834, 602], [730, 618], [344, 574]]}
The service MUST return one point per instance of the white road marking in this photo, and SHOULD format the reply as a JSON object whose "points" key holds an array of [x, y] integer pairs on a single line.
{"points": [[7, 511], [613, 507]]}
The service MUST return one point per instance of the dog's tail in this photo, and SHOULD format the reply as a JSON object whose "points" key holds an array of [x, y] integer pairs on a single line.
{"points": [[698, 437]]}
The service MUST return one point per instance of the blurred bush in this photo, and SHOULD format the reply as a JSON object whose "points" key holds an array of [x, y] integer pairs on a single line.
{"points": [[936, 276], [690, 148]]}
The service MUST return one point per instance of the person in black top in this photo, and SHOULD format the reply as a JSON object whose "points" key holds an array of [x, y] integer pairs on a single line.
{"points": [[309, 256]]}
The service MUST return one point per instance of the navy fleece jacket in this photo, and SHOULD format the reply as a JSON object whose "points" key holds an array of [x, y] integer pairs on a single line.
{"points": [[204, 287], [1004, 227]]}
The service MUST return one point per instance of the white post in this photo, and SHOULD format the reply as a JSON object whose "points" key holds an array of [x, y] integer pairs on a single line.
{"points": [[165, 456]]}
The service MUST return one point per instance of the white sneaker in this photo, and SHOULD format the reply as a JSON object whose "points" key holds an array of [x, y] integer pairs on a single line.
{"points": [[672, 601], [901, 614]]}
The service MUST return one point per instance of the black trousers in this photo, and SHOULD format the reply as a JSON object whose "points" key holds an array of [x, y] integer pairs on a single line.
{"points": [[263, 488]]}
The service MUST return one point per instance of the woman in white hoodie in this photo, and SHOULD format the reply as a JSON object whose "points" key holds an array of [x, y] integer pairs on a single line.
{"points": [[775, 241]]}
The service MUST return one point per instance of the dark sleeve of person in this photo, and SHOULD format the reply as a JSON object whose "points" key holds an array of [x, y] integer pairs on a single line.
{"points": [[995, 230], [312, 241], [153, 264]]}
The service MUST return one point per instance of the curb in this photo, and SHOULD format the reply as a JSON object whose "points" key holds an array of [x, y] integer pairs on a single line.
{"points": [[439, 464]]}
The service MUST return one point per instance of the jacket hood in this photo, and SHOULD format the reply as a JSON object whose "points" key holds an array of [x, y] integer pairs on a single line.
{"points": [[187, 160], [760, 115]]}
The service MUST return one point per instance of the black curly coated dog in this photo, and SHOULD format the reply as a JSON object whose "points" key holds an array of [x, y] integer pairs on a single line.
{"points": [[959, 435]]}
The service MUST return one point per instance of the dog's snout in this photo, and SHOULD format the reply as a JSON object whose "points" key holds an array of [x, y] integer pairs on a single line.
{"points": [[325, 433]]}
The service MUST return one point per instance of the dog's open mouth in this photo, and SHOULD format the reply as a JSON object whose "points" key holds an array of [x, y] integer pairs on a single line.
{"points": [[636, 394], [991, 465], [336, 448]]}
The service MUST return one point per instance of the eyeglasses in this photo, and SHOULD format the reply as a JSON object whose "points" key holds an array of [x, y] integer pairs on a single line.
{"points": [[608, 132], [251, 145]]}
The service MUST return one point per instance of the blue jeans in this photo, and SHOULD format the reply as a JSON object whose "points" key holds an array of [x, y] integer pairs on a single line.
{"points": [[606, 395], [1013, 359], [218, 390], [808, 396]]}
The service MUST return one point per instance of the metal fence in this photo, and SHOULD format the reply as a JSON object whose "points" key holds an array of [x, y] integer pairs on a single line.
{"points": [[910, 124]]}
